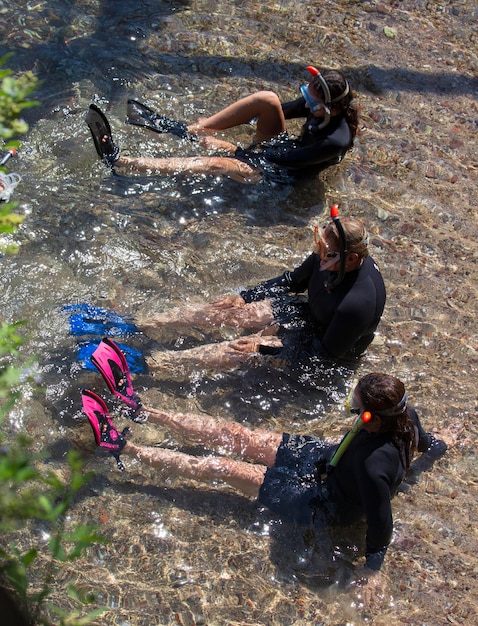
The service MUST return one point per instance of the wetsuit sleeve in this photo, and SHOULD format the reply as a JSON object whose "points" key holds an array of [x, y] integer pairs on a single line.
{"points": [[269, 289], [313, 154], [375, 493], [424, 439], [296, 281], [294, 109], [344, 331], [299, 278]]}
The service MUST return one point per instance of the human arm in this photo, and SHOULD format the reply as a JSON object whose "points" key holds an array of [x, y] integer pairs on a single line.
{"points": [[343, 332], [295, 281], [423, 439], [374, 485], [295, 108], [317, 153], [268, 289]]}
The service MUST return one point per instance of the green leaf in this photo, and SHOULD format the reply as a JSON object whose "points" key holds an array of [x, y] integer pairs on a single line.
{"points": [[29, 557], [45, 503], [17, 576]]}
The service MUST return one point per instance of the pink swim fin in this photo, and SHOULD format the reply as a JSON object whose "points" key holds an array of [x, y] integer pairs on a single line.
{"points": [[106, 434], [112, 365]]}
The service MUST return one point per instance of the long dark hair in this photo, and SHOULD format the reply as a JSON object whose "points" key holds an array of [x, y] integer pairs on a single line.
{"points": [[337, 85], [384, 395]]}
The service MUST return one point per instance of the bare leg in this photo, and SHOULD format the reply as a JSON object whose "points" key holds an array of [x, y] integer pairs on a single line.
{"points": [[246, 477], [230, 311], [260, 445], [216, 355], [263, 105], [216, 165]]}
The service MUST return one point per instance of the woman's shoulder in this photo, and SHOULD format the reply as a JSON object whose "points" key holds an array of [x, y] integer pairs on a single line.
{"points": [[379, 450]]}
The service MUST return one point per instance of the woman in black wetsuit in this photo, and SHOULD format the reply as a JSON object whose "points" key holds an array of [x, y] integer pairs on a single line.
{"points": [[298, 476], [326, 103], [336, 319]]}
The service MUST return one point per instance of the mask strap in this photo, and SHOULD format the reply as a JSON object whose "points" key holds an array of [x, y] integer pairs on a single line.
{"points": [[396, 410], [342, 95]]}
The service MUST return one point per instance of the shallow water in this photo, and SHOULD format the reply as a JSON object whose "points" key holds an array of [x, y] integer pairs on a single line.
{"points": [[179, 552]]}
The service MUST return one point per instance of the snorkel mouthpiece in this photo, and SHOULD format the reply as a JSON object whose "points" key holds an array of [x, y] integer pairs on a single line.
{"points": [[334, 214]]}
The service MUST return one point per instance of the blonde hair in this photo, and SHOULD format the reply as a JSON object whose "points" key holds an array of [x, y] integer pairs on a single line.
{"points": [[356, 234]]}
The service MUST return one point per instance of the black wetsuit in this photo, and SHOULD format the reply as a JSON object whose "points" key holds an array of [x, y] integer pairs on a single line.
{"points": [[360, 486], [315, 150], [343, 321]]}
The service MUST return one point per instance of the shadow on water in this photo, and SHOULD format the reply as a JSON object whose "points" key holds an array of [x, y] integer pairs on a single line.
{"points": [[131, 243], [67, 44], [104, 53], [107, 52], [317, 555]]}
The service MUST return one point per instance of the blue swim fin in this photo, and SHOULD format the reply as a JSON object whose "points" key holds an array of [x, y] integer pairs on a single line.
{"points": [[81, 325], [87, 319], [134, 358]]}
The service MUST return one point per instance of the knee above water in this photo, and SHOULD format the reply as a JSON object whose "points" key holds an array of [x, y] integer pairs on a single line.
{"points": [[268, 97]]}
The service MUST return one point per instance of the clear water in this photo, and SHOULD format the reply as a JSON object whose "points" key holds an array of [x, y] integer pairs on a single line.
{"points": [[180, 552]]}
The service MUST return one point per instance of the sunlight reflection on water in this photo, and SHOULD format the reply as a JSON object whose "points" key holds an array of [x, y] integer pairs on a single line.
{"points": [[149, 244]]}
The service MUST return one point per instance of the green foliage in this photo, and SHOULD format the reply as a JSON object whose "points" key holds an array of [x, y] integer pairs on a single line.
{"points": [[29, 496], [14, 93], [32, 500]]}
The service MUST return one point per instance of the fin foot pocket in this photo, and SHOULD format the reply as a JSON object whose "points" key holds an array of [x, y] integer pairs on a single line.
{"points": [[105, 432], [140, 115], [111, 363]]}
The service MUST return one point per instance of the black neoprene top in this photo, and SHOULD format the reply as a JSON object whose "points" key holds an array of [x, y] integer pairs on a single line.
{"points": [[315, 146], [348, 316], [363, 483]]}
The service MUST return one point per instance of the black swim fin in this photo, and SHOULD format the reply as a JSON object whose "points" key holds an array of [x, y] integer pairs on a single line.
{"points": [[100, 130], [140, 115]]}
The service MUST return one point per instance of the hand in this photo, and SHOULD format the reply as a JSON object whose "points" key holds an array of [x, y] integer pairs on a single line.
{"points": [[251, 343], [372, 587], [229, 302], [246, 345]]}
